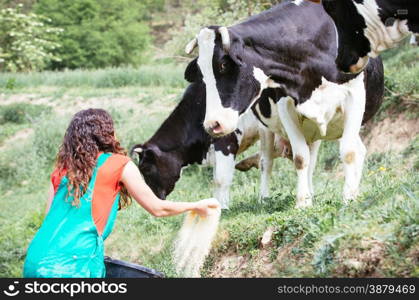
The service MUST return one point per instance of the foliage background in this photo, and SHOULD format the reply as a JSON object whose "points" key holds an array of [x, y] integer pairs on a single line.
{"points": [[71, 34]]}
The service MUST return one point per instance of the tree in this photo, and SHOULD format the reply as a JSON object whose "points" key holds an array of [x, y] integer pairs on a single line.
{"points": [[98, 33], [213, 12], [27, 42]]}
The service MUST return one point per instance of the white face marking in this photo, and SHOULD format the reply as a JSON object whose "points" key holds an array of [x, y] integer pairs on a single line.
{"points": [[380, 36], [215, 112]]}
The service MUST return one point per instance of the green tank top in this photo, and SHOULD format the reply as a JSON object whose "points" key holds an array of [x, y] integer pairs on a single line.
{"points": [[68, 243]]}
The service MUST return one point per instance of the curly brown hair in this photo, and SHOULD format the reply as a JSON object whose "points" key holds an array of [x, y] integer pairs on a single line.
{"points": [[90, 132]]}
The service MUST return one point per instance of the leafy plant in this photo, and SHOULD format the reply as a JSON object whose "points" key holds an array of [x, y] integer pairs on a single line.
{"points": [[98, 33], [27, 41], [221, 12], [20, 113]]}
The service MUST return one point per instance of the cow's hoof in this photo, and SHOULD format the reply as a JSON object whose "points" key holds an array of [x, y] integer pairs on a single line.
{"points": [[261, 200], [349, 196], [224, 206], [303, 202], [264, 193]]}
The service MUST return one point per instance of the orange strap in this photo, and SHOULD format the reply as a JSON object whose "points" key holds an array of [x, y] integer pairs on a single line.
{"points": [[106, 189]]}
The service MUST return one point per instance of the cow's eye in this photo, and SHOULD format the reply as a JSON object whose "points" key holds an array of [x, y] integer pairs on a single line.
{"points": [[223, 67]]}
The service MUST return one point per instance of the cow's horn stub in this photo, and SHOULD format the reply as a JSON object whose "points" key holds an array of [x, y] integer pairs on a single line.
{"points": [[138, 150], [191, 46], [225, 37]]}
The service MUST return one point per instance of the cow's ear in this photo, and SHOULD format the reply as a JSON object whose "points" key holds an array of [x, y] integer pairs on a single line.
{"points": [[148, 156], [236, 51], [192, 72]]}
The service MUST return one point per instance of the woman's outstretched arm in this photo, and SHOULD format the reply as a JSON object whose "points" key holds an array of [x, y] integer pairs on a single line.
{"points": [[141, 192]]}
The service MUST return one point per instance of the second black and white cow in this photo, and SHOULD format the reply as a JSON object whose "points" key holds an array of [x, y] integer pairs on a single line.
{"points": [[288, 51], [181, 141], [368, 27]]}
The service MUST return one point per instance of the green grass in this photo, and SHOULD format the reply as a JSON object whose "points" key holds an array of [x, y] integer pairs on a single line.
{"points": [[17, 116], [401, 81], [386, 211], [167, 75], [377, 235]]}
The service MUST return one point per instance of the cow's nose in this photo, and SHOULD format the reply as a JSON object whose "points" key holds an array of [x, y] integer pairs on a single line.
{"points": [[359, 66], [214, 128], [162, 195]]}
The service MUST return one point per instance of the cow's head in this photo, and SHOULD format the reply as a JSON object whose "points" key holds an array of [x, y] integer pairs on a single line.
{"points": [[160, 169], [353, 46], [232, 82]]}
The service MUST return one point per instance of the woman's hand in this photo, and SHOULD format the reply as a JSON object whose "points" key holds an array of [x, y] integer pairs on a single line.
{"points": [[142, 193], [202, 208]]}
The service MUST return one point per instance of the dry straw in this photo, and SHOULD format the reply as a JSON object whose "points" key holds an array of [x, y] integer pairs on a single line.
{"points": [[194, 241]]}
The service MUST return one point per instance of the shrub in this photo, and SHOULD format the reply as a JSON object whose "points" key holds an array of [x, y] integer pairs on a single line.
{"points": [[20, 113], [98, 33], [220, 12], [26, 40]]}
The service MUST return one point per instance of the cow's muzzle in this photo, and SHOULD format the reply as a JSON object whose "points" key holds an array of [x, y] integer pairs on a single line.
{"points": [[221, 122], [360, 65]]}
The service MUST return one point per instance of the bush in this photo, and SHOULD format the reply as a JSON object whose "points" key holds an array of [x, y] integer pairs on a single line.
{"points": [[26, 40], [32, 160], [98, 33], [220, 12], [20, 113]]}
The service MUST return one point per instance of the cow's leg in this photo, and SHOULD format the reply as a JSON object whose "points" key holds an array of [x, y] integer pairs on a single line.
{"points": [[248, 163], [300, 149], [352, 153], [352, 150], [266, 160], [314, 150], [360, 161], [223, 177]]}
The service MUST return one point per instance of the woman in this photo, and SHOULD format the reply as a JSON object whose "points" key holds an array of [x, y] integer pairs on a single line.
{"points": [[92, 179]]}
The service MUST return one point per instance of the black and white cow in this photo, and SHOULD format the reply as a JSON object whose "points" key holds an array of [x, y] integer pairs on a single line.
{"points": [[181, 141], [289, 52], [368, 27]]}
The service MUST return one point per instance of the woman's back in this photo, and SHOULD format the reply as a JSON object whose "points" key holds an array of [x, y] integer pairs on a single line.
{"points": [[70, 240]]}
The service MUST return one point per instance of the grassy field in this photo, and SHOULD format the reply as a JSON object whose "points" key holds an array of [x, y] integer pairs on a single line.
{"points": [[377, 235]]}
